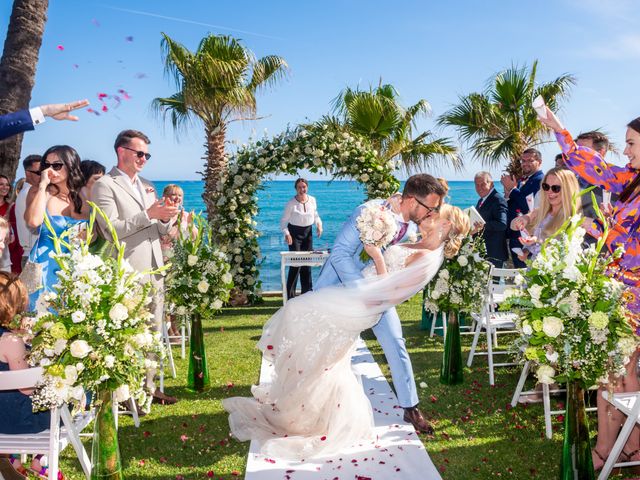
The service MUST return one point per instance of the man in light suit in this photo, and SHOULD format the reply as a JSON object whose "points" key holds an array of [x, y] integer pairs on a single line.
{"points": [[421, 198], [139, 218], [23, 120]]}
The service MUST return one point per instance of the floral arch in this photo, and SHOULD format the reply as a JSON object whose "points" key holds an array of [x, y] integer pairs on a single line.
{"points": [[315, 148]]}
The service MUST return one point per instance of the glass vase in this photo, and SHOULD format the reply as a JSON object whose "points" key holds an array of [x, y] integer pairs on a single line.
{"points": [[105, 452], [576, 449], [451, 369], [198, 376]]}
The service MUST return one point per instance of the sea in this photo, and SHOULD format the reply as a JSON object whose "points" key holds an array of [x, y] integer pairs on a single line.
{"points": [[335, 199]]}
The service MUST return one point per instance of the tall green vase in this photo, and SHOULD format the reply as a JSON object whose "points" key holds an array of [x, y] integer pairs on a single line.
{"points": [[576, 449], [198, 376], [105, 452], [451, 369]]}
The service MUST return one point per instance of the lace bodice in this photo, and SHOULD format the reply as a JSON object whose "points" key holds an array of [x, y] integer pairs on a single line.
{"points": [[394, 258]]}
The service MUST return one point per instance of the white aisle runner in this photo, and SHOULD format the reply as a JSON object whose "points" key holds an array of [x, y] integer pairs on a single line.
{"points": [[397, 453]]}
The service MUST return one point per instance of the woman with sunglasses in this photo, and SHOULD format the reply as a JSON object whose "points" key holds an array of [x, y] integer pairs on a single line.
{"points": [[559, 186], [623, 223], [58, 197]]}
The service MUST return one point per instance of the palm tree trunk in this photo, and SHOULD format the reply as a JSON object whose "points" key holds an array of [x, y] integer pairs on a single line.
{"points": [[216, 166], [18, 70]]}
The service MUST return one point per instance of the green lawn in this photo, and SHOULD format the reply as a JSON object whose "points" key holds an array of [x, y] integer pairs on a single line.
{"points": [[477, 436]]}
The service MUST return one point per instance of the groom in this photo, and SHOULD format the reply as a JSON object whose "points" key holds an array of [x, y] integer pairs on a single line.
{"points": [[421, 199]]}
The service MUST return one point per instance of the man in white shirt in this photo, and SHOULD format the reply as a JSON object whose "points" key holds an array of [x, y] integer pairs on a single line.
{"points": [[27, 238]]}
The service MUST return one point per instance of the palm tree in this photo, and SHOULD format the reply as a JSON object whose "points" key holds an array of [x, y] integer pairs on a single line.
{"points": [[216, 85], [500, 123], [18, 70], [378, 115]]}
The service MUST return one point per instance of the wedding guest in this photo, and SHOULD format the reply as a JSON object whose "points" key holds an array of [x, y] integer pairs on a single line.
{"points": [[139, 218], [26, 237], [91, 172], [622, 219], [5, 205], [517, 191], [492, 207], [58, 197], [23, 120], [559, 160], [558, 187], [599, 142], [300, 214]]}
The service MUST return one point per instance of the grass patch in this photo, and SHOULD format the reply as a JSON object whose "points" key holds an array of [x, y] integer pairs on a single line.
{"points": [[478, 435]]}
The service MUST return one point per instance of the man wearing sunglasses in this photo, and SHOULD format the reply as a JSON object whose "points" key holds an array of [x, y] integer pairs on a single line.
{"points": [[139, 219], [31, 165], [419, 202]]}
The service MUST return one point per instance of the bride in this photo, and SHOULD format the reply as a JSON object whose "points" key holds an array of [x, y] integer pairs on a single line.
{"points": [[314, 405]]}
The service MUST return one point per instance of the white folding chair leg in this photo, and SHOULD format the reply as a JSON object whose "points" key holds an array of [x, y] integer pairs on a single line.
{"points": [[546, 402], [114, 409], [54, 443], [444, 324], [161, 375], [134, 412], [520, 386], [74, 438], [490, 354], [183, 341], [434, 320], [620, 442], [474, 344], [495, 338], [167, 342]]}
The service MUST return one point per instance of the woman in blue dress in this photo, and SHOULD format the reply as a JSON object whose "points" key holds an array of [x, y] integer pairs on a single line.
{"points": [[58, 197]]}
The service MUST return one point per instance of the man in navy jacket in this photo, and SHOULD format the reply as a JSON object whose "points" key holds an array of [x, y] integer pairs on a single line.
{"points": [[17, 122], [492, 207], [516, 193]]}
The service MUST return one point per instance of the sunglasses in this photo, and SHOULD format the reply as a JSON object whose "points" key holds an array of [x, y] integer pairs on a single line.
{"points": [[35, 172], [554, 188], [54, 166], [139, 153], [429, 209]]}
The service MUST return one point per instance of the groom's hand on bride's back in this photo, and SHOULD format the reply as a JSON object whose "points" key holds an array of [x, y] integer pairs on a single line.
{"points": [[163, 210]]}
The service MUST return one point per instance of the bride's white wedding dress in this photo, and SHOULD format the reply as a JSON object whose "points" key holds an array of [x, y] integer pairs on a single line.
{"points": [[314, 405]]}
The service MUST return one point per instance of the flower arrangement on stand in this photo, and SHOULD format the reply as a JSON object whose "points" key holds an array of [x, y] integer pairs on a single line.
{"points": [[311, 147], [197, 286], [575, 328], [93, 335], [458, 288]]}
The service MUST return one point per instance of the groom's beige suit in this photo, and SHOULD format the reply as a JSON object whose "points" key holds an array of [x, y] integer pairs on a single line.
{"points": [[126, 204]]}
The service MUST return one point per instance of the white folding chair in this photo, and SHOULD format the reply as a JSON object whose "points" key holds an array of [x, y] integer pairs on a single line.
{"points": [[49, 442], [131, 410], [464, 329], [629, 404], [185, 333], [493, 322], [172, 365]]}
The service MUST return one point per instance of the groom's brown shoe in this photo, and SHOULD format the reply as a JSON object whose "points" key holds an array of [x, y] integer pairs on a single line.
{"points": [[414, 417]]}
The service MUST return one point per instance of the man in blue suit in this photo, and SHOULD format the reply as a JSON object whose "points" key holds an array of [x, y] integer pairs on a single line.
{"points": [[14, 123], [492, 207], [516, 193], [421, 198]]}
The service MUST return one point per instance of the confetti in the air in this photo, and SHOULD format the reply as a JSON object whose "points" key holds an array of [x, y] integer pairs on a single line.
{"points": [[60, 47], [129, 38], [95, 22], [140, 75], [91, 110]]}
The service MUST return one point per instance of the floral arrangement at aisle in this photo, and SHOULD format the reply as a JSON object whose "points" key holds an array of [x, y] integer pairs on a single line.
{"points": [[574, 326], [93, 335], [459, 287], [315, 148], [197, 286]]}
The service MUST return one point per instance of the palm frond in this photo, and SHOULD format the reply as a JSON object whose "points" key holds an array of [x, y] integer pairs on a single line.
{"points": [[421, 156], [267, 71]]}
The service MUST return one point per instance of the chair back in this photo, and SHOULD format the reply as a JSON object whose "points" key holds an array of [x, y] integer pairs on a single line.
{"points": [[21, 379]]}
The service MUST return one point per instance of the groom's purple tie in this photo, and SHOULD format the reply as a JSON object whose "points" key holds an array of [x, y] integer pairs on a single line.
{"points": [[403, 229]]}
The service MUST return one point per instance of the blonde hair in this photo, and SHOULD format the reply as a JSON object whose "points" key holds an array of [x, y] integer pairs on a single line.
{"points": [[13, 297], [569, 188], [460, 226], [171, 189]]}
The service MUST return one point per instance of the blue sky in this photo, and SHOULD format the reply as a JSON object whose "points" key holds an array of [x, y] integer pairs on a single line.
{"points": [[427, 49]]}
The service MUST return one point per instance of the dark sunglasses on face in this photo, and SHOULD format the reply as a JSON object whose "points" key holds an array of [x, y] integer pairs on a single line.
{"points": [[429, 209], [139, 153], [35, 172], [554, 188], [54, 166]]}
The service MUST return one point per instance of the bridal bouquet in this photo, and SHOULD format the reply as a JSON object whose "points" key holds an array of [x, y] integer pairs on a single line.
{"points": [[92, 333], [198, 281], [461, 283], [377, 225], [573, 319]]}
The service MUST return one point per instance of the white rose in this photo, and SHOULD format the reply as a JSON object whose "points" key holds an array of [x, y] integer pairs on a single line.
{"points": [[545, 374], [118, 312], [216, 304], [77, 393], [526, 329], [535, 291], [192, 260], [181, 310], [552, 357], [45, 362], [79, 367], [70, 374], [552, 326], [59, 346], [122, 393], [463, 261], [203, 286], [109, 361], [78, 316], [80, 348]]}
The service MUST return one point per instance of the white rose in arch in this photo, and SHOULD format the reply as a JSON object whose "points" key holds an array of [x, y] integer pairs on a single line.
{"points": [[118, 312], [216, 304], [192, 260], [79, 348], [226, 278], [78, 316], [203, 286]]}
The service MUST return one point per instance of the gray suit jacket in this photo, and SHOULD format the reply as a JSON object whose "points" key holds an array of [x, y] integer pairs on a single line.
{"points": [[114, 194]]}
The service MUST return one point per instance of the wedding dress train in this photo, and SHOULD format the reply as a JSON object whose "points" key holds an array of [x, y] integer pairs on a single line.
{"points": [[314, 405]]}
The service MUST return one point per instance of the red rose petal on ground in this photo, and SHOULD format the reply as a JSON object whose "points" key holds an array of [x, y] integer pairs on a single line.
{"points": [[146, 434], [141, 463], [184, 438], [269, 347], [434, 399], [235, 473], [323, 438], [162, 459]]}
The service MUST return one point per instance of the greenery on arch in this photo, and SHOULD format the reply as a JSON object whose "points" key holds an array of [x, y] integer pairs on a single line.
{"points": [[318, 148]]}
